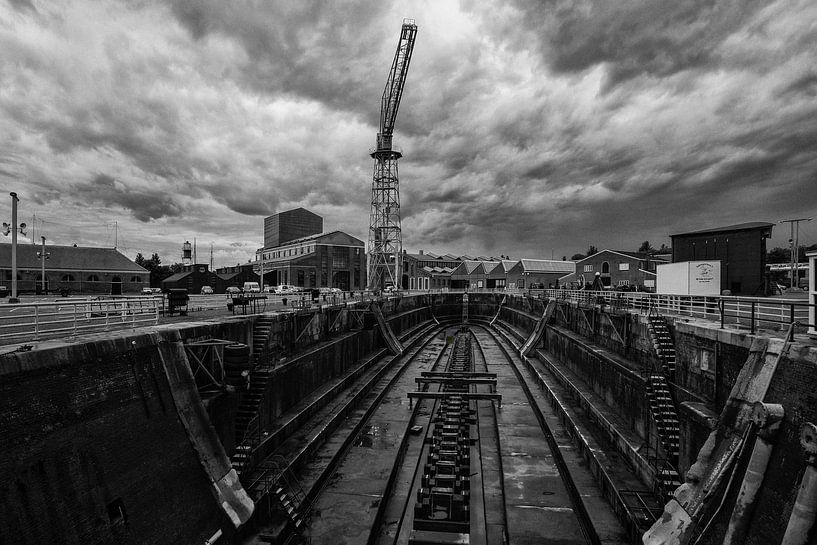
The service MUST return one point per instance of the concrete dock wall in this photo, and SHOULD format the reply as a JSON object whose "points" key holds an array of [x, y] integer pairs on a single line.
{"points": [[95, 452]]}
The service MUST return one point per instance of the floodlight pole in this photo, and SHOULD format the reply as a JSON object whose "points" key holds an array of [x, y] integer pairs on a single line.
{"points": [[14, 200], [42, 262], [794, 244]]}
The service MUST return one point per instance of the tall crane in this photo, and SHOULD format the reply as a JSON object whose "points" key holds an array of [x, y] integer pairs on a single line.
{"points": [[385, 236]]}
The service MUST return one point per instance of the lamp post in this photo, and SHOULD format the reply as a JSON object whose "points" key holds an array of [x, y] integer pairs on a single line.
{"points": [[13, 228], [43, 255]]}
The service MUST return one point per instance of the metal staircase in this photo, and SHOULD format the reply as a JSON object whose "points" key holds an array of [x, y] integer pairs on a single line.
{"points": [[248, 430], [275, 483], [663, 343], [260, 338], [666, 422]]}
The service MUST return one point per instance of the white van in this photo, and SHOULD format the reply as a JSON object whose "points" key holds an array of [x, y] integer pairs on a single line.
{"points": [[252, 287]]}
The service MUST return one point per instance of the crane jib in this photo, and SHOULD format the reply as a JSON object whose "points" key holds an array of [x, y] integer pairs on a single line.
{"points": [[393, 91]]}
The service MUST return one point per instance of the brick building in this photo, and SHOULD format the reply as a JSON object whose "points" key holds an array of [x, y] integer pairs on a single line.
{"points": [[617, 269], [740, 248], [424, 271], [285, 226], [335, 260], [78, 269]]}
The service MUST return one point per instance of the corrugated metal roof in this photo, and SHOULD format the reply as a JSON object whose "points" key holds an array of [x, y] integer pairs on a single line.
{"points": [[548, 265], [736, 227], [490, 266], [69, 258]]}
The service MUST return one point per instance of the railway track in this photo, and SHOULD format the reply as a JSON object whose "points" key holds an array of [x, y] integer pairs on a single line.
{"points": [[449, 445]]}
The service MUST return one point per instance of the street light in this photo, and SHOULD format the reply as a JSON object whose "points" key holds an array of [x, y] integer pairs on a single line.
{"points": [[43, 255], [13, 228]]}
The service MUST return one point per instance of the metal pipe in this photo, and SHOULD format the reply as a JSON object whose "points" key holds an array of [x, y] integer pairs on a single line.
{"points": [[804, 511], [767, 418], [213, 538]]}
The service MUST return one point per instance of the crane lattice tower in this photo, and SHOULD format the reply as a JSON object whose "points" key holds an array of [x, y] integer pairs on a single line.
{"points": [[385, 235]]}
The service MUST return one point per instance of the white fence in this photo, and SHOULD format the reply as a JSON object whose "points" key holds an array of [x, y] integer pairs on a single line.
{"points": [[60, 318]]}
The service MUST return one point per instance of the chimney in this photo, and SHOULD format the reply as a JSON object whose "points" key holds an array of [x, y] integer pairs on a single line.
{"points": [[421, 252]]}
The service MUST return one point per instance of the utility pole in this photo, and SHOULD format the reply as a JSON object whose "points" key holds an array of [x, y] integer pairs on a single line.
{"points": [[13, 228], [794, 244], [43, 256]]}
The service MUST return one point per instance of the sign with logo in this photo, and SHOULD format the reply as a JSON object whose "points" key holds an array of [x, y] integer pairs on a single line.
{"points": [[689, 278]]}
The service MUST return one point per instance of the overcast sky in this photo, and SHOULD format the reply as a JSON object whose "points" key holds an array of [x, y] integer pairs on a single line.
{"points": [[529, 128]]}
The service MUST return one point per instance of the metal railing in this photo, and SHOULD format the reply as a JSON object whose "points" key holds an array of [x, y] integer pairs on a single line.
{"points": [[60, 318], [751, 313]]}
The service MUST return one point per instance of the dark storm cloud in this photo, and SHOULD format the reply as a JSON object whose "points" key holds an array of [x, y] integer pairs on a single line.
{"points": [[324, 51], [22, 5], [632, 37], [144, 205], [526, 127]]}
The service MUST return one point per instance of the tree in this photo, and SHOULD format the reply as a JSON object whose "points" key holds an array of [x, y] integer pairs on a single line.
{"points": [[592, 250], [645, 247], [577, 257], [778, 255]]}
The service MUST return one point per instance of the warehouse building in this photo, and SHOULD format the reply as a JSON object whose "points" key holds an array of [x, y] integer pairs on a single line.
{"points": [[73, 268], [740, 248]]}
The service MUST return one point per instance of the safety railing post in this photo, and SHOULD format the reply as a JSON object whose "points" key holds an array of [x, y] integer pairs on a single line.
{"points": [[75, 319], [752, 318], [37, 322], [722, 310]]}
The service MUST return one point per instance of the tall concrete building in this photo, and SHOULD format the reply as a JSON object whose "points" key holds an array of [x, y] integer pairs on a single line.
{"points": [[284, 226]]}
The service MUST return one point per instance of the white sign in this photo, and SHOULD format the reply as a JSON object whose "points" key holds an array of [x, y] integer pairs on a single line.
{"points": [[689, 278]]}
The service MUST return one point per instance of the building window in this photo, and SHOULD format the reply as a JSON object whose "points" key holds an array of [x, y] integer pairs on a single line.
{"points": [[68, 278], [93, 278], [623, 282], [340, 258], [605, 268], [624, 266], [135, 278], [300, 277], [588, 268]]}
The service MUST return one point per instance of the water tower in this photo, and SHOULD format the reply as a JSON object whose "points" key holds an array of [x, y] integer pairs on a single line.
{"points": [[187, 253]]}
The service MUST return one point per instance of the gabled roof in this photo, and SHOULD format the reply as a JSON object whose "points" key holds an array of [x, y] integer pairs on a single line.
{"points": [[489, 266], [468, 269], [729, 228], [320, 237], [548, 265], [502, 268], [77, 258], [624, 253], [178, 276]]}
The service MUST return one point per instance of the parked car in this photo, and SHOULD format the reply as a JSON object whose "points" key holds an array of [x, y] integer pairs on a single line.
{"points": [[233, 290], [206, 290], [286, 289], [147, 291], [156, 291], [252, 287], [269, 289]]}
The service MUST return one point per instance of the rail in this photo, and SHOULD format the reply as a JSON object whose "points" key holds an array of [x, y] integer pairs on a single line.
{"points": [[60, 318], [752, 313]]}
